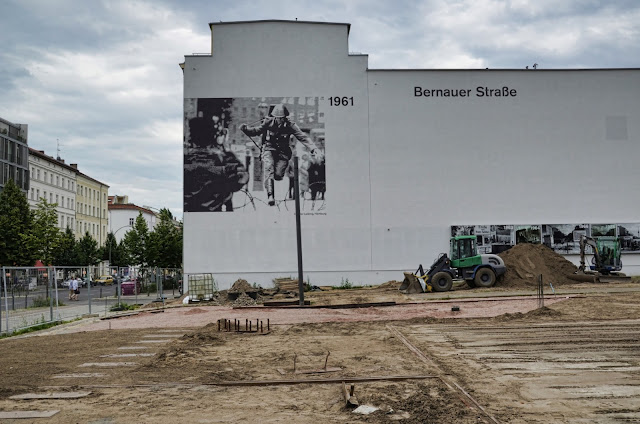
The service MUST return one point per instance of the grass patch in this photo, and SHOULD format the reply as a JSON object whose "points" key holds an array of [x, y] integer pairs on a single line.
{"points": [[345, 284], [41, 302], [38, 327], [123, 307]]}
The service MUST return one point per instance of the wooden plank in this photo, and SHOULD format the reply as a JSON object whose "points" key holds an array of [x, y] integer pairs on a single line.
{"points": [[8, 415], [53, 395]]}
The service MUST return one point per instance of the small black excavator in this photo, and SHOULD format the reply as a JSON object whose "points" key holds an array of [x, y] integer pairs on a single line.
{"points": [[464, 263]]}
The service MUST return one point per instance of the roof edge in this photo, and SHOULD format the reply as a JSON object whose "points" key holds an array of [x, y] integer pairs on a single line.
{"points": [[211, 24]]}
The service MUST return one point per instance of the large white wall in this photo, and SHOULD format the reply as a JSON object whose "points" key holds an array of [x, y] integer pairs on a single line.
{"points": [[402, 169], [288, 59], [543, 156]]}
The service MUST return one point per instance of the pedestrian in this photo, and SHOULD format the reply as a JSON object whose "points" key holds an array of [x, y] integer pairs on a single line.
{"points": [[71, 290], [276, 151], [74, 285]]}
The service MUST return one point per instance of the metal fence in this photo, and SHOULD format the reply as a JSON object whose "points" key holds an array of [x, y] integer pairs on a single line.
{"points": [[31, 296]]}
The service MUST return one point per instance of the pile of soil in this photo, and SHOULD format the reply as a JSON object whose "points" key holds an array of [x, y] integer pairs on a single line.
{"points": [[244, 300], [525, 262], [242, 286]]}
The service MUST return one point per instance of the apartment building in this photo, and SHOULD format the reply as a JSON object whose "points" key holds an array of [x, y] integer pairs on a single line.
{"points": [[14, 153], [122, 216], [54, 180], [91, 207]]}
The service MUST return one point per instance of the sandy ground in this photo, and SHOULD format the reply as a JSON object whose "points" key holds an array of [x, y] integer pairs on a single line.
{"points": [[500, 358]]}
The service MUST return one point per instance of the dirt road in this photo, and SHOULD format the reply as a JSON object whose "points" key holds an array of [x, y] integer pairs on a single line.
{"points": [[497, 360]]}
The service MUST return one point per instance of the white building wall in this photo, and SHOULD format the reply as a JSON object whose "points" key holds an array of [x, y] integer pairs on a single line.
{"points": [[55, 183], [548, 155], [121, 221], [401, 169]]}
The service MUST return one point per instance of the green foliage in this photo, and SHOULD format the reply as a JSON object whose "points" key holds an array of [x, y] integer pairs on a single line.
{"points": [[16, 221], [86, 250], [44, 237], [345, 284], [123, 307], [113, 252], [135, 242], [36, 328], [164, 245], [40, 302], [65, 254]]}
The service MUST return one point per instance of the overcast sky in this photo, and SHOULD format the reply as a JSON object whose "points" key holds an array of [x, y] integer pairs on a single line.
{"points": [[102, 77]]}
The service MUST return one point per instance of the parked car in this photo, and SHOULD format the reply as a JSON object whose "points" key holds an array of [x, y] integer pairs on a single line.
{"points": [[131, 287], [105, 280]]}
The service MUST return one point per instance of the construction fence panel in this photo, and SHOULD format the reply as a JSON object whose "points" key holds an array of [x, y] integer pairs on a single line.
{"points": [[28, 298]]}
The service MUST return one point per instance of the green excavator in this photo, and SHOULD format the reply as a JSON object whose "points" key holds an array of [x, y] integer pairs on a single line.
{"points": [[606, 262]]}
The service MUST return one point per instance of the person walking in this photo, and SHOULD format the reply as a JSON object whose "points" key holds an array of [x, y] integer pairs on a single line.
{"points": [[276, 151], [74, 286]]}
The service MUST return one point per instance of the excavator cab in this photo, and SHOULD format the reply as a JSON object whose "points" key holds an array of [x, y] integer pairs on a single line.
{"points": [[463, 252], [608, 249]]}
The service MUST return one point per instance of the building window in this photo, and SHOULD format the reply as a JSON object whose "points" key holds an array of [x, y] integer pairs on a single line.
{"points": [[38, 174], [50, 197], [131, 221], [57, 180], [56, 198], [37, 194]]}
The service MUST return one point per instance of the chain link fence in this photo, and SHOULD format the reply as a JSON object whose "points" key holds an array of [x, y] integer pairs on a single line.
{"points": [[32, 296]]}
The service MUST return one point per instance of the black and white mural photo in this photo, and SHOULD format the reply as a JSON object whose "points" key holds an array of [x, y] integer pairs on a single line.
{"points": [[564, 238], [238, 154], [629, 235]]}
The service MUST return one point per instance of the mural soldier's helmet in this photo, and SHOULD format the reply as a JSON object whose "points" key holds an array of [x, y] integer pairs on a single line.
{"points": [[279, 111]]}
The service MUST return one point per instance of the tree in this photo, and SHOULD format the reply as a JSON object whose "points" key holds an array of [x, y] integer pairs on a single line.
{"points": [[135, 242], [112, 252], [66, 252], [87, 251], [44, 236], [165, 243], [16, 221]]}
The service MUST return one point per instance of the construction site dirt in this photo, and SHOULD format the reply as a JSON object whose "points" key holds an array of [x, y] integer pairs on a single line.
{"points": [[471, 355]]}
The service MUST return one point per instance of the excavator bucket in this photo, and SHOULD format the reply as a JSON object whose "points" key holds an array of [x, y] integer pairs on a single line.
{"points": [[410, 284]]}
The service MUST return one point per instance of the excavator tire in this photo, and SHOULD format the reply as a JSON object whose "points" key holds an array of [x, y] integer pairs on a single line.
{"points": [[471, 284], [485, 277], [442, 282]]}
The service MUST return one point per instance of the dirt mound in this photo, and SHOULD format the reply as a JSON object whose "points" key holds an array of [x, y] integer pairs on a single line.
{"points": [[391, 285], [543, 312], [242, 286], [244, 300], [526, 261]]}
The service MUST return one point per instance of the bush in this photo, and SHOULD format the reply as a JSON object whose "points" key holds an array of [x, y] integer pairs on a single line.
{"points": [[344, 285], [40, 302], [123, 307]]}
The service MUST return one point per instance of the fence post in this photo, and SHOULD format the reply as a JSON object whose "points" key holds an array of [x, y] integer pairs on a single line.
{"points": [[89, 287], [50, 290], [6, 300]]}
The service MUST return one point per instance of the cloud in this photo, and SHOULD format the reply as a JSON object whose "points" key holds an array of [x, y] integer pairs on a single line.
{"points": [[102, 77]]}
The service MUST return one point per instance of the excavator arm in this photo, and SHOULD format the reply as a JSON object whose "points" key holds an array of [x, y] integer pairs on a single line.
{"points": [[588, 241]]}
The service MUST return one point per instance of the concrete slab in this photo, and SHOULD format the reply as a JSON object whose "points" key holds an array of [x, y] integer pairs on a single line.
{"points": [[109, 364], [159, 336], [8, 415], [133, 347], [52, 395], [125, 355], [80, 375]]}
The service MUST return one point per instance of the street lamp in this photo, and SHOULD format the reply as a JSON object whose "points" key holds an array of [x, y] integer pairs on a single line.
{"points": [[114, 239]]}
